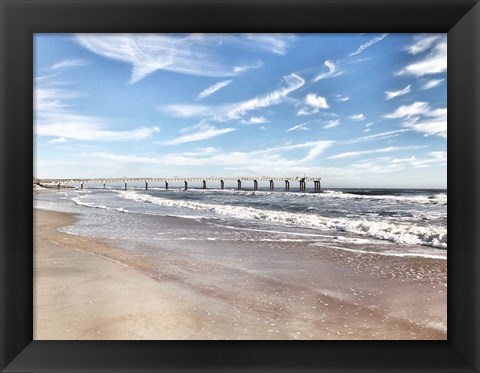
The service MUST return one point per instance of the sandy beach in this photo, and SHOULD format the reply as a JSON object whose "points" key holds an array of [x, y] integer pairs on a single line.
{"points": [[87, 288]]}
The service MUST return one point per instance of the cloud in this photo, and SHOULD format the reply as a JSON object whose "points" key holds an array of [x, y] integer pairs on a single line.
{"points": [[341, 98], [360, 116], [67, 63], [254, 120], [213, 88], [54, 117], [187, 110], [58, 140], [274, 43], [434, 62], [332, 71], [237, 110], [332, 123], [432, 83], [392, 94], [372, 151], [192, 54], [368, 44], [242, 68], [377, 136], [314, 104], [301, 126], [422, 43], [277, 96], [417, 108], [420, 117], [198, 133], [436, 158]]}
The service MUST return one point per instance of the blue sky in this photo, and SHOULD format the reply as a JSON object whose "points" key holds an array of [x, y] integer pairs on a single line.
{"points": [[357, 110]]}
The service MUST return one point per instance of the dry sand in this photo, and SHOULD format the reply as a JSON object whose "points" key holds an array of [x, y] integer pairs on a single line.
{"points": [[87, 289]]}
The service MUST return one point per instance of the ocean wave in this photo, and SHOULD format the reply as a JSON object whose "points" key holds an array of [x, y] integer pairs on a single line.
{"points": [[397, 232], [438, 198]]}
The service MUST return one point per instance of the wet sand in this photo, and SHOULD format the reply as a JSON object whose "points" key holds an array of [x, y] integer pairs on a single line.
{"points": [[88, 288]]}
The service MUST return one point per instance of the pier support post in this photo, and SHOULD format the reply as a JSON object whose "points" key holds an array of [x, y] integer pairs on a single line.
{"points": [[81, 185], [319, 185], [272, 185], [239, 184], [58, 186], [125, 185], [255, 184], [104, 185], [166, 185], [302, 185], [204, 184], [186, 185], [146, 185], [287, 185], [222, 184]]}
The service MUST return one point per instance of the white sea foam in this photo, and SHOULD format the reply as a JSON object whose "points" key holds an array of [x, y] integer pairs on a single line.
{"points": [[410, 254], [397, 232]]}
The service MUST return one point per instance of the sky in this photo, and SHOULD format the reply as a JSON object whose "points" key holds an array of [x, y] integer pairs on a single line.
{"points": [[357, 110]]}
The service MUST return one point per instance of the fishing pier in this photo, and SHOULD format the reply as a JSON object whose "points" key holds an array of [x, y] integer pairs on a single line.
{"points": [[301, 182]]}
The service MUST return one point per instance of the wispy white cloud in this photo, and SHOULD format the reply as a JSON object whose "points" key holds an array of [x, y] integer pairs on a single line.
{"points": [[188, 110], [301, 126], [313, 104], [55, 117], [407, 111], [422, 42], [198, 132], [275, 43], [375, 137], [333, 71], [67, 63], [276, 160], [213, 88], [360, 116], [436, 158], [341, 98], [332, 123], [420, 117], [432, 83], [434, 62], [237, 110], [368, 44], [193, 54], [392, 94], [277, 96], [59, 140], [242, 68], [254, 120], [373, 151]]}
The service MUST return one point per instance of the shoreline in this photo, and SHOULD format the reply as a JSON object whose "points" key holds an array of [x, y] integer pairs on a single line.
{"points": [[86, 288]]}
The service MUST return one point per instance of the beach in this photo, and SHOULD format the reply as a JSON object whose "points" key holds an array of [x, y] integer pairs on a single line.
{"points": [[112, 289]]}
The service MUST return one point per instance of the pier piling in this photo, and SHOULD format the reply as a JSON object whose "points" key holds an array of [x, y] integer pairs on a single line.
{"points": [[222, 184], [186, 185], [204, 184], [166, 185], [125, 185], [239, 184], [255, 184], [287, 185]]}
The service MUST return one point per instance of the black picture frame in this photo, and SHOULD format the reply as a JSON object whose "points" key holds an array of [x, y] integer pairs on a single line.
{"points": [[20, 19]]}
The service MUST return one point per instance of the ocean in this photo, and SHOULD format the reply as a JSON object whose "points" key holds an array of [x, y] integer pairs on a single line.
{"points": [[391, 222]]}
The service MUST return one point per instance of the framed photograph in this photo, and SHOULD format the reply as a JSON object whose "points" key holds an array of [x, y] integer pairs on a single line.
{"points": [[240, 186]]}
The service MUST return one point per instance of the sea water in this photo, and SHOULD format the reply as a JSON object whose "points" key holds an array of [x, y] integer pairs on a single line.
{"points": [[394, 222]]}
